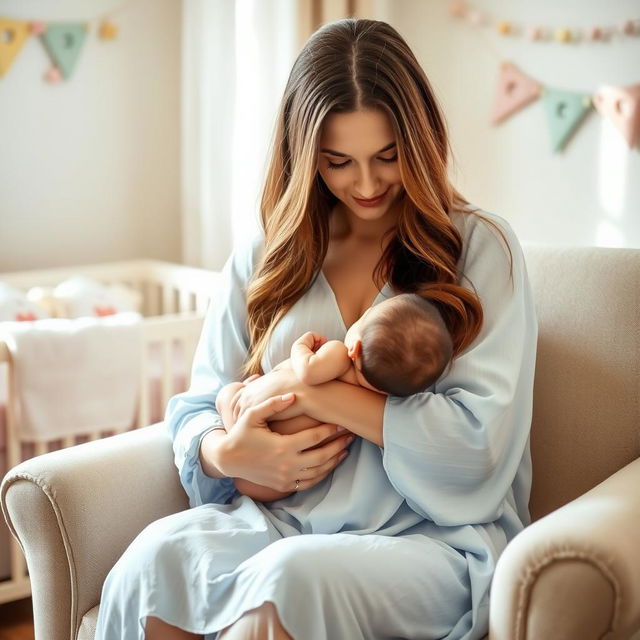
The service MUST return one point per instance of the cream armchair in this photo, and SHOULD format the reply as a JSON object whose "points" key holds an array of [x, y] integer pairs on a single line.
{"points": [[573, 574]]}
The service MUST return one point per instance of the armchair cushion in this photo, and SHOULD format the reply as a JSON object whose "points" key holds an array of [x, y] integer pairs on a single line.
{"points": [[582, 557], [76, 510]]}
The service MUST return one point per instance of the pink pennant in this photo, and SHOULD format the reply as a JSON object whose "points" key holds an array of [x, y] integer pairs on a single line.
{"points": [[621, 105], [515, 91]]}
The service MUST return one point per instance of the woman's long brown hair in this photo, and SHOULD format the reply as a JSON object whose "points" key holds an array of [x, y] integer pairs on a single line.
{"points": [[348, 65]]}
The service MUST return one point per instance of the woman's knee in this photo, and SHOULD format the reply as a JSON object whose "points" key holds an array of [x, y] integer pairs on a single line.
{"points": [[299, 557], [156, 629], [262, 623]]}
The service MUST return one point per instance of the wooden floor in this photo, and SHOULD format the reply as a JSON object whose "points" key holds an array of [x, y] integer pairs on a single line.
{"points": [[16, 621]]}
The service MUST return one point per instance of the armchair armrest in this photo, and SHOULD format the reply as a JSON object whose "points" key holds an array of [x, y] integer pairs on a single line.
{"points": [[576, 572], [75, 511]]}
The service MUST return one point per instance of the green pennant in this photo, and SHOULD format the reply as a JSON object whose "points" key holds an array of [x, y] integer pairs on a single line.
{"points": [[63, 42], [565, 111]]}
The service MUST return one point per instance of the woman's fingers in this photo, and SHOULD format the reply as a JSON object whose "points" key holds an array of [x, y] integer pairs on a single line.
{"points": [[313, 475], [258, 415], [251, 378], [315, 435], [320, 471], [318, 457]]}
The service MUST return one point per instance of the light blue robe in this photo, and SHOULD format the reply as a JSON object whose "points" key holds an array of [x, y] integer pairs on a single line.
{"points": [[400, 541]]}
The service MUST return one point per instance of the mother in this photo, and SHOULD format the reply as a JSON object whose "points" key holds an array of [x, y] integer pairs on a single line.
{"points": [[399, 538]]}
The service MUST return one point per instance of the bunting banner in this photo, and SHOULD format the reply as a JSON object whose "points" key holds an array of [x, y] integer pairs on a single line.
{"points": [[566, 34], [13, 35], [515, 91], [565, 111], [63, 42], [621, 105]]}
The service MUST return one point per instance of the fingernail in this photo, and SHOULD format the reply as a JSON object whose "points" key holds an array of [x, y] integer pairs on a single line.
{"points": [[342, 429], [287, 396]]}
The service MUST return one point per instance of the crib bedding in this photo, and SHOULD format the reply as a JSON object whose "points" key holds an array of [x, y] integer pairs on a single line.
{"points": [[179, 377], [172, 299]]}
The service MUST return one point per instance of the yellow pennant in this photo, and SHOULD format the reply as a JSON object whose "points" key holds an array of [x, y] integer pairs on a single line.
{"points": [[12, 36]]}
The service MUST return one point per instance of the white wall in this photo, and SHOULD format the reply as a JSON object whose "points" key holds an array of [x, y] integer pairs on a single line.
{"points": [[587, 195], [89, 168]]}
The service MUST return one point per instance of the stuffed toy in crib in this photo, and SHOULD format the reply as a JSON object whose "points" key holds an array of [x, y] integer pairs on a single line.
{"points": [[81, 296], [16, 307], [76, 297]]}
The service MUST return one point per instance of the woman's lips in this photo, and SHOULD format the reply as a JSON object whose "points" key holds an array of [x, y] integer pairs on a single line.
{"points": [[374, 202]]}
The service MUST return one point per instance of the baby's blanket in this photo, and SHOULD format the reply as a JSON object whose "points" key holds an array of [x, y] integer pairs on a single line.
{"points": [[76, 375]]}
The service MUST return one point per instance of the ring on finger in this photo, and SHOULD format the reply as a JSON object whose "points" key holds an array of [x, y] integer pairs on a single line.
{"points": [[297, 484]]}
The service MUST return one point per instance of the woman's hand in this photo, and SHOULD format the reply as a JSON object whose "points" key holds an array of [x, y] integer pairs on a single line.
{"points": [[282, 462], [258, 388]]}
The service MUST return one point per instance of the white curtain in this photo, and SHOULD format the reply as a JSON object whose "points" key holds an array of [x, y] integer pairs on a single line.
{"points": [[237, 55], [236, 59]]}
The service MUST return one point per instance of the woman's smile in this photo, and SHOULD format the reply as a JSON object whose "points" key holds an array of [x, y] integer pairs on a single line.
{"points": [[372, 202]]}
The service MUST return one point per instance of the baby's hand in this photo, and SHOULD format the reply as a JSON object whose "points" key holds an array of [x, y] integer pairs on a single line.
{"points": [[311, 340]]}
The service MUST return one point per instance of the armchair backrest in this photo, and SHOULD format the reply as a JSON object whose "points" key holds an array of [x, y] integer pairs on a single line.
{"points": [[586, 410]]}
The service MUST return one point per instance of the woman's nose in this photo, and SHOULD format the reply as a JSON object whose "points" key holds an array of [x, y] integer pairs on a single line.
{"points": [[367, 185]]}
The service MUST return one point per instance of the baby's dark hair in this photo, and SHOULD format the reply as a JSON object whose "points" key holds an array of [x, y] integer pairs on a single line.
{"points": [[406, 348]]}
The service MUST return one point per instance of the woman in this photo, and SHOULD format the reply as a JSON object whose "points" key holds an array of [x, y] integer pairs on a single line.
{"points": [[405, 515]]}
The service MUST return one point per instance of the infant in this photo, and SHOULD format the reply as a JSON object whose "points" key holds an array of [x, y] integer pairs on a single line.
{"points": [[398, 347]]}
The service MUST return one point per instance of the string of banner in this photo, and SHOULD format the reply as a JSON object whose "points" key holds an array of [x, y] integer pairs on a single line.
{"points": [[565, 110], [63, 41]]}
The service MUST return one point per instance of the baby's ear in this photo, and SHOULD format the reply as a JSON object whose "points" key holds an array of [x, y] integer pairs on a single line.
{"points": [[355, 349]]}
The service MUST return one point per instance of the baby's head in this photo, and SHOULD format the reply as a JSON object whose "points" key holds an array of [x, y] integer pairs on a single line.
{"points": [[400, 346]]}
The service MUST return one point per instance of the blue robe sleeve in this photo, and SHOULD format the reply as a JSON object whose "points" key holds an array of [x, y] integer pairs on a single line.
{"points": [[218, 360], [454, 453]]}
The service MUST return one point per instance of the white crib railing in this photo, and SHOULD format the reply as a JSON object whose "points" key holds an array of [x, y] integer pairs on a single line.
{"points": [[175, 298]]}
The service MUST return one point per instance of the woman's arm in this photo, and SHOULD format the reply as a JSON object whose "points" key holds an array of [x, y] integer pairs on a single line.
{"points": [[357, 409], [253, 452], [206, 457]]}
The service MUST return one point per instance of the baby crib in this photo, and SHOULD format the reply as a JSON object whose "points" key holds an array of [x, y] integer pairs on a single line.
{"points": [[174, 301]]}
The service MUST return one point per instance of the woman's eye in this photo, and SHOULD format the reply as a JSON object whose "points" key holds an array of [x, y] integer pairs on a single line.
{"points": [[341, 165]]}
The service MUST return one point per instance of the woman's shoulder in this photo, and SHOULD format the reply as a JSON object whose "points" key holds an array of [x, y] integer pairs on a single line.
{"points": [[247, 252], [484, 231], [488, 240], [471, 220]]}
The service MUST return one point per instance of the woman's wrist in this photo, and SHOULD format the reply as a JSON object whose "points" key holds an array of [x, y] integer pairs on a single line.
{"points": [[211, 453]]}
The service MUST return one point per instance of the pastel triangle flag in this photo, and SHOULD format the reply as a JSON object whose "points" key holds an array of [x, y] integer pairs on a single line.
{"points": [[515, 91], [12, 36], [565, 111], [64, 42], [621, 105]]}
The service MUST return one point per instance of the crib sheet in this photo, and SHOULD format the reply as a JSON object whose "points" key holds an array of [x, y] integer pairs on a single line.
{"points": [[179, 376]]}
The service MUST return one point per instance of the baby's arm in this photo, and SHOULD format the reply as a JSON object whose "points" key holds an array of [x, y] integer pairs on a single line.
{"points": [[330, 360], [224, 403]]}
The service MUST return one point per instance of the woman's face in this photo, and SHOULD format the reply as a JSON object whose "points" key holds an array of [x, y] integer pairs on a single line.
{"points": [[358, 161]]}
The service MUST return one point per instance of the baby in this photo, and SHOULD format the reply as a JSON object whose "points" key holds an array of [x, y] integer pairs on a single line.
{"points": [[398, 347]]}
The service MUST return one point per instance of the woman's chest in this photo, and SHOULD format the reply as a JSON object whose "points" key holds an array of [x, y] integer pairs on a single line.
{"points": [[350, 276], [340, 294]]}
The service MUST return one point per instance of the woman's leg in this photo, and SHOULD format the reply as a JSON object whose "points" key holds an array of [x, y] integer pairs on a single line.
{"points": [[369, 587], [262, 623], [156, 629]]}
